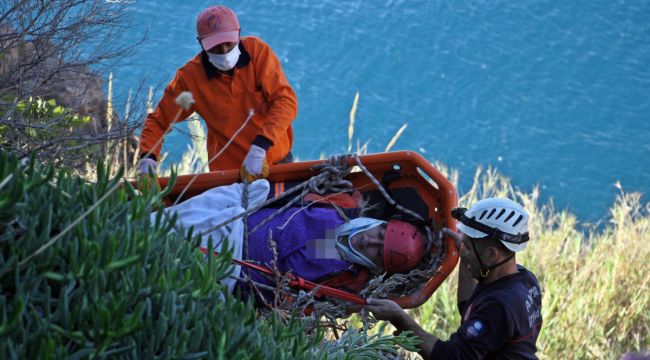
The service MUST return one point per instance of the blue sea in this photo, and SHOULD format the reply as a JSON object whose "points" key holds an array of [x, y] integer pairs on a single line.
{"points": [[552, 93]]}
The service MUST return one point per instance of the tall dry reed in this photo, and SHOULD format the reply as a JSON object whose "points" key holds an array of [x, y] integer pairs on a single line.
{"points": [[596, 303]]}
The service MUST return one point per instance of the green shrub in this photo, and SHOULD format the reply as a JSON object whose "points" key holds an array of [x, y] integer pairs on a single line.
{"points": [[50, 131], [118, 284]]}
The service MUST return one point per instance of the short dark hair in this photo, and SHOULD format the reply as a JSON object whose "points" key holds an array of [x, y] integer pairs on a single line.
{"points": [[489, 241]]}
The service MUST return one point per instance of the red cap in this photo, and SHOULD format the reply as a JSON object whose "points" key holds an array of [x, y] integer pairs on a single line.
{"points": [[403, 247], [217, 25]]}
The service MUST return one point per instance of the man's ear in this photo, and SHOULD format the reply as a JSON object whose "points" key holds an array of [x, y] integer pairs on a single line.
{"points": [[494, 254]]}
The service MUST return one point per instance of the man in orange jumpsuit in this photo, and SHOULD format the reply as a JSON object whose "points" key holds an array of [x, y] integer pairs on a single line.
{"points": [[230, 79]]}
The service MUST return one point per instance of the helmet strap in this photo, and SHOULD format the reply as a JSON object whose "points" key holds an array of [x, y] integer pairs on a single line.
{"points": [[485, 270]]}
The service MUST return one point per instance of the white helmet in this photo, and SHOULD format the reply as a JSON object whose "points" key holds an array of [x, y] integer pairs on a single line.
{"points": [[344, 234], [503, 219]]}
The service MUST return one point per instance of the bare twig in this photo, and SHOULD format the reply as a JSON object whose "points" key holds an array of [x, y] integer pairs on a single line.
{"points": [[58, 50]]}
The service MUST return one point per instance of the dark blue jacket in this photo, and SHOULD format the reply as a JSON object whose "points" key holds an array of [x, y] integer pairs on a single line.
{"points": [[500, 320]]}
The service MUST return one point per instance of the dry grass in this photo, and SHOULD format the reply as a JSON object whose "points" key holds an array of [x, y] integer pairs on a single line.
{"points": [[596, 303]]}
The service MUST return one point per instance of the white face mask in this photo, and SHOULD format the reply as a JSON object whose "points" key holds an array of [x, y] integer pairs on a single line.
{"points": [[227, 61]]}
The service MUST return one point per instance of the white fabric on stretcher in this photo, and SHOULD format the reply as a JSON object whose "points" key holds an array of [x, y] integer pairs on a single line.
{"points": [[211, 208]]}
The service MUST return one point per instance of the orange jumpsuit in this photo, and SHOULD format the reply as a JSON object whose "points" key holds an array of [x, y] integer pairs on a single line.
{"points": [[223, 100]]}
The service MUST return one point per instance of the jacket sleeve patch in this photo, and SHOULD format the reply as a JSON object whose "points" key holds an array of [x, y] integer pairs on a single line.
{"points": [[474, 329]]}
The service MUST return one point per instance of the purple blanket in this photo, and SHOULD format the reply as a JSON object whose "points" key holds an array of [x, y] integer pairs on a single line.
{"points": [[305, 242]]}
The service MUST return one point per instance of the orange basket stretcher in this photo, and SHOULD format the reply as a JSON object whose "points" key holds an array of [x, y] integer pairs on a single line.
{"points": [[435, 190]]}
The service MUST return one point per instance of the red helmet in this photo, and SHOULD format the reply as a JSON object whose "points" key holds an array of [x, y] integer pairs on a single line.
{"points": [[403, 247]]}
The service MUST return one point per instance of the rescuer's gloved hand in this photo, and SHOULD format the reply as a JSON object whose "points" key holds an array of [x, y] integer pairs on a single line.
{"points": [[254, 166], [147, 165]]}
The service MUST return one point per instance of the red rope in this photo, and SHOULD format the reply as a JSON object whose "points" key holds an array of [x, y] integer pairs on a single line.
{"points": [[298, 282]]}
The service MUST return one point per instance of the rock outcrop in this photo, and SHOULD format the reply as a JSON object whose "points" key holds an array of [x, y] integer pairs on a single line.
{"points": [[31, 69]]}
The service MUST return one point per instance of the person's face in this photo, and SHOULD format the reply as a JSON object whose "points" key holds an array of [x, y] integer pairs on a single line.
{"points": [[370, 243], [222, 48], [469, 257]]}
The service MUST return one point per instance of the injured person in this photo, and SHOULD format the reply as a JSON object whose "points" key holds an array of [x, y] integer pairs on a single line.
{"points": [[313, 241]]}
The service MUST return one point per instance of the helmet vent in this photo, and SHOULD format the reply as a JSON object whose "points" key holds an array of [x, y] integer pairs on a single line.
{"points": [[482, 214], [518, 220], [512, 213], [491, 213], [500, 214]]}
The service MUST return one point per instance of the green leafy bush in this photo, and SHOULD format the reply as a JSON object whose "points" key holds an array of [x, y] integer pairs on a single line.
{"points": [[46, 119], [54, 133], [119, 284], [41, 109]]}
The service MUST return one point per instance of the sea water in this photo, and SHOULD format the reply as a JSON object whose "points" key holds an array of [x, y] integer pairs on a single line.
{"points": [[552, 93]]}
